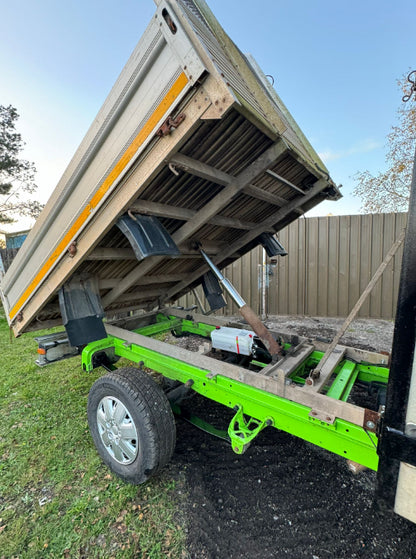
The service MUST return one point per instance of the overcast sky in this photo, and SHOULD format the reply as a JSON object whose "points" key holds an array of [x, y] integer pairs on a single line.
{"points": [[335, 65]]}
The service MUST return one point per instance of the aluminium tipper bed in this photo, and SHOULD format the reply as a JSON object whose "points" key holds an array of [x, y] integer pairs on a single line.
{"points": [[193, 133]]}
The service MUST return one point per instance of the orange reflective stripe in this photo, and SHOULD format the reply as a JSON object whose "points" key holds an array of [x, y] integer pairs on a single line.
{"points": [[121, 164]]}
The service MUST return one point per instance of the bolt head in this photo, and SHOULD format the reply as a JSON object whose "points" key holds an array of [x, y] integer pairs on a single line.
{"points": [[370, 424]]}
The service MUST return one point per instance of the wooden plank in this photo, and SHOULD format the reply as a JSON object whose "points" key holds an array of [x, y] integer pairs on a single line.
{"points": [[357, 306], [109, 283], [174, 212], [290, 362], [162, 210], [140, 295], [202, 170], [327, 369], [104, 253]]}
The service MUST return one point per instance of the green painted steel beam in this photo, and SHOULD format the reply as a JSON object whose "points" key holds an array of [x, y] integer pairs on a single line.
{"points": [[159, 327], [350, 385], [258, 363], [373, 373], [198, 328], [338, 388], [341, 437]]}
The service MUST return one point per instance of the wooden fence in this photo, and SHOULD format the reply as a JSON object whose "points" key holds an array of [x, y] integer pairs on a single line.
{"points": [[329, 263]]}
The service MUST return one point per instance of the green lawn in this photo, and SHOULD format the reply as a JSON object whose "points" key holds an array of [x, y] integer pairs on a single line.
{"points": [[56, 497]]}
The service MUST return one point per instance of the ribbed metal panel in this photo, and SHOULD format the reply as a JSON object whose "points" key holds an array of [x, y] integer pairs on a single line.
{"points": [[329, 264]]}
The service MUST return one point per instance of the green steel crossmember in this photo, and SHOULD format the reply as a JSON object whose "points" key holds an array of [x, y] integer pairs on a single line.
{"points": [[346, 373], [162, 326], [371, 373], [341, 437], [178, 325], [199, 328]]}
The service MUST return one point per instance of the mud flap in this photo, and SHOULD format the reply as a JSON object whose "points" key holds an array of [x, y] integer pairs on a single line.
{"points": [[82, 312], [147, 236], [213, 291]]}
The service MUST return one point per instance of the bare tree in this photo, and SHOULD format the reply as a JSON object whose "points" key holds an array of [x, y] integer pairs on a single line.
{"points": [[16, 174], [388, 191]]}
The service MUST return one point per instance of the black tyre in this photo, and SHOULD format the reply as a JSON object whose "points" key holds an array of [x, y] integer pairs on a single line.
{"points": [[131, 423]]}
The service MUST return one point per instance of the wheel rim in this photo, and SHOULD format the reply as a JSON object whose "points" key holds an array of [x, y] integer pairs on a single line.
{"points": [[117, 430]]}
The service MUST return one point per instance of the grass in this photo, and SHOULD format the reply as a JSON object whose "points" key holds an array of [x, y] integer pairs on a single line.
{"points": [[57, 499]]}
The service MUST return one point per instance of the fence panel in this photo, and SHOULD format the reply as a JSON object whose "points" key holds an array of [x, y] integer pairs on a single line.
{"points": [[329, 263]]}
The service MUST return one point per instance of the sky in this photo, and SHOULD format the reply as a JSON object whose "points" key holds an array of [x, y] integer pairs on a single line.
{"points": [[335, 64]]}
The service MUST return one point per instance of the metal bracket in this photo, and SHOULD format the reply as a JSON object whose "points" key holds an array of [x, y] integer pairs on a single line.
{"points": [[72, 249], [398, 445], [242, 432], [176, 395], [371, 420], [170, 123], [323, 417]]}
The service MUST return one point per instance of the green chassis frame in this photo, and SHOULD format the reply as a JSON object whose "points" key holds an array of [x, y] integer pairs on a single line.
{"points": [[256, 408]]}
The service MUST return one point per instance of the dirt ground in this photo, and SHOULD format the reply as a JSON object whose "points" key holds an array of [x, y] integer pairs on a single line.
{"points": [[283, 497], [372, 335]]}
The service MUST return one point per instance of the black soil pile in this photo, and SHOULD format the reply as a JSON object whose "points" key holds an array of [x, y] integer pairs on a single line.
{"points": [[283, 498]]}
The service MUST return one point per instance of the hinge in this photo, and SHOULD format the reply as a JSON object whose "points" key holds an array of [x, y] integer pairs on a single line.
{"points": [[169, 124]]}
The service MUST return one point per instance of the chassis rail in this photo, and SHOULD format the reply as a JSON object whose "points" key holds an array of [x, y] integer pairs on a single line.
{"points": [[326, 420]]}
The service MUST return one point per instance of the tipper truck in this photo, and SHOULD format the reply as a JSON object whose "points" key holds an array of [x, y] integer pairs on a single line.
{"points": [[191, 162]]}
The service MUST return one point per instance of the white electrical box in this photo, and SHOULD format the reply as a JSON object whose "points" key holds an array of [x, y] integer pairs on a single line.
{"points": [[233, 340]]}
